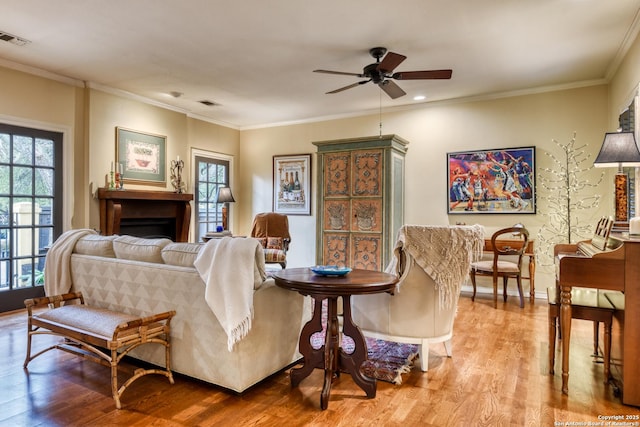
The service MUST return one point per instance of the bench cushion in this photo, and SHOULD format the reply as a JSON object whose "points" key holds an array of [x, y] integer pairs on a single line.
{"points": [[95, 320], [583, 297]]}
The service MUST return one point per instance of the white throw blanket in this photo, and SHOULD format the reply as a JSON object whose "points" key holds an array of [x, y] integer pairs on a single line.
{"points": [[444, 252], [231, 269], [57, 268]]}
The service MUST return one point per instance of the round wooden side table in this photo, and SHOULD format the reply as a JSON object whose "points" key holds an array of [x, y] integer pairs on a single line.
{"points": [[330, 356]]}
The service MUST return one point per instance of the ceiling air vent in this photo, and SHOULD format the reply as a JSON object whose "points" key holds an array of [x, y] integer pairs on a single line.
{"points": [[13, 39], [208, 103]]}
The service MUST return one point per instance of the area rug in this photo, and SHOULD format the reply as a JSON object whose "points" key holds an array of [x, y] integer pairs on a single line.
{"points": [[387, 361]]}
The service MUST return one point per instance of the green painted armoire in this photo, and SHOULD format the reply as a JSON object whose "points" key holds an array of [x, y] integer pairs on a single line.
{"points": [[360, 200]]}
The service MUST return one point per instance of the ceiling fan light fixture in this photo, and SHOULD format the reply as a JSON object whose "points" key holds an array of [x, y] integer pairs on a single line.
{"points": [[382, 73]]}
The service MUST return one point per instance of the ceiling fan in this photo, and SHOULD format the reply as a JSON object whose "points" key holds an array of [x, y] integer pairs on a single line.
{"points": [[381, 73]]}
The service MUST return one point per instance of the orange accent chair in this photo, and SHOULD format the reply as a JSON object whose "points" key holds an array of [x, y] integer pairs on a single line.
{"points": [[272, 230]]}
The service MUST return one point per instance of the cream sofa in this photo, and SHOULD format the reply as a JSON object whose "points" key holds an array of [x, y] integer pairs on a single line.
{"points": [[432, 263], [152, 276]]}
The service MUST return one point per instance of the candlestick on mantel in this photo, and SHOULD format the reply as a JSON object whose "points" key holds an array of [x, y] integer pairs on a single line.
{"points": [[176, 175]]}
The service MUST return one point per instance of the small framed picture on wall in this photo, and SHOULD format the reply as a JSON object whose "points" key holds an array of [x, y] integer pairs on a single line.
{"points": [[292, 184], [142, 156]]}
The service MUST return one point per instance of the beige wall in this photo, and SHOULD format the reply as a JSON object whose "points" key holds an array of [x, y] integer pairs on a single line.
{"points": [[434, 130], [220, 141], [108, 111], [87, 118], [624, 85], [42, 103]]}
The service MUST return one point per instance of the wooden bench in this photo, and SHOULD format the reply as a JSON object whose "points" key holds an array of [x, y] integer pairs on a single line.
{"points": [[96, 334]]}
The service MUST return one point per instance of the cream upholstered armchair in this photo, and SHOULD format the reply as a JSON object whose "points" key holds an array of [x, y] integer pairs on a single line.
{"points": [[432, 263]]}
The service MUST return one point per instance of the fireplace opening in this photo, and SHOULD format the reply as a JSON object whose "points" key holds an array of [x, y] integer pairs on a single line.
{"points": [[143, 213], [151, 228]]}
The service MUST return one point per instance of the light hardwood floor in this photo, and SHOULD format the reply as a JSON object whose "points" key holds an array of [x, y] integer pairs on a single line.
{"points": [[497, 377]]}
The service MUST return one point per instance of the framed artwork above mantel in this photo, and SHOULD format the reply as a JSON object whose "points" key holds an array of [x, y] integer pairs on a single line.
{"points": [[142, 156]]}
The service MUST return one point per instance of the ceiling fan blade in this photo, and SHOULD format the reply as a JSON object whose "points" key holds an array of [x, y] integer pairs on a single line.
{"points": [[349, 86], [338, 72], [390, 62], [391, 89], [421, 75]]}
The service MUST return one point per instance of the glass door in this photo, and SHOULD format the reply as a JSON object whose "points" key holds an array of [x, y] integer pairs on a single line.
{"points": [[30, 211]]}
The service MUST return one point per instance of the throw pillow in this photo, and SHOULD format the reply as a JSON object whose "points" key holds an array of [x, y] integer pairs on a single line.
{"points": [[182, 254], [274, 255], [95, 244], [274, 243], [140, 249], [263, 241]]}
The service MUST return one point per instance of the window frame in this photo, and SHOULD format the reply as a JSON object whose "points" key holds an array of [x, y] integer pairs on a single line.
{"points": [[197, 156]]}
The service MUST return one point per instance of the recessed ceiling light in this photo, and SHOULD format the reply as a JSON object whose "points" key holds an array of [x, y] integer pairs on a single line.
{"points": [[419, 97]]}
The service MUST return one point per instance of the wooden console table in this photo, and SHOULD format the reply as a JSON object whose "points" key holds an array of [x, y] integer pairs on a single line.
{"points": [[141, 205], [529, 251]]}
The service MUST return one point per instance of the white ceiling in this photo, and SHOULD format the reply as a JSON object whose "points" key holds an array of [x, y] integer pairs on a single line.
{"points": [[255, 58]]}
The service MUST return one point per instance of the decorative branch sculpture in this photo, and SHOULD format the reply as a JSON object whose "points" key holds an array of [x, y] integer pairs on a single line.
{"points": [[563, 187]]}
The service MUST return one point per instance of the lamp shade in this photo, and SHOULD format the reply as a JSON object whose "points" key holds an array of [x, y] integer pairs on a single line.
{"points": [[618, 149], [224, 195]]}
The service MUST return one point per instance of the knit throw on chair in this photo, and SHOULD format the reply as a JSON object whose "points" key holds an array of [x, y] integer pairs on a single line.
{"points": [[437, 249]]}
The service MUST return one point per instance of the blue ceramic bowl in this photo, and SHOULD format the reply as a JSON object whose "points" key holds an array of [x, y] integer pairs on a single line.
{"points": [[330, 270]]}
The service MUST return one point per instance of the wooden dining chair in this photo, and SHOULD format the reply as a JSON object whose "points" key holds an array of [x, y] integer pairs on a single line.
{"points": [[507, 242]]}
